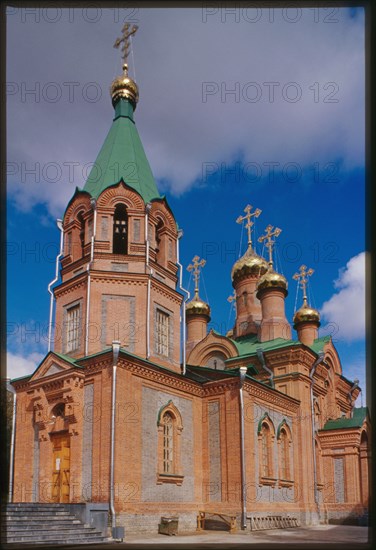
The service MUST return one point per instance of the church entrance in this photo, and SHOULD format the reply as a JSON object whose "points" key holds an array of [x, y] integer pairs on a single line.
{"points": [[60, 467]]}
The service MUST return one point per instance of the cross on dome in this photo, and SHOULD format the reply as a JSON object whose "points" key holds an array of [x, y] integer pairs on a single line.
{"points": [[302, 278], [269, 244], [127, 33], [195, 267], [248, 216]]}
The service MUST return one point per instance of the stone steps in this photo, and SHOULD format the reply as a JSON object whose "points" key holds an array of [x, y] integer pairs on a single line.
{"points": [[51, 524]]}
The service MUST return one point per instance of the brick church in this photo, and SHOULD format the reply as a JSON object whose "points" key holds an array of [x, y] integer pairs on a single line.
{"points": [[143, 410]]}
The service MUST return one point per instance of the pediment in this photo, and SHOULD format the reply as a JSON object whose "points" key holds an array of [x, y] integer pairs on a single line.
{"points": [[51, 365], [212, 343]]}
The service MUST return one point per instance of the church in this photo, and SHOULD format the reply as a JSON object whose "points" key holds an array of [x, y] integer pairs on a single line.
{"points": [[140, 411]]}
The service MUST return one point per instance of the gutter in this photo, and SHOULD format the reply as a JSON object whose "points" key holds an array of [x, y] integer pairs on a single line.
{"points": [[261, 356], [311, 374], [93, 203], [182, 318], [242, 373], [115, 356], [59, 224], [147, 266], [10, 388]]}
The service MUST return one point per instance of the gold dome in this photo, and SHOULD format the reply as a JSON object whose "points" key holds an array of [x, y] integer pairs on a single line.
{"points": [[249, 264], [272, 280], [124, 87], [306, 314], [197, 307]]}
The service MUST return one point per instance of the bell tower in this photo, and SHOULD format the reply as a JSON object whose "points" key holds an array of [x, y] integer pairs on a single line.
{"points": [[119, 266]]}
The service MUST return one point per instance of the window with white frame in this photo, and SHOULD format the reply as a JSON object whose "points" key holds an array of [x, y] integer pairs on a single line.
{"points": [[73, 328], [162, 332]]}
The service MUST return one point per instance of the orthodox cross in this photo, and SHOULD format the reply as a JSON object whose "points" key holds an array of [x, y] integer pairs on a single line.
{"points": [[125, 39], [248, 216], [302, 277], [269, 244], [195, 267]]}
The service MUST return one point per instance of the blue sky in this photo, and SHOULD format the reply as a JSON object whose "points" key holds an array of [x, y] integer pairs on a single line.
{"points": [[223, 98]]}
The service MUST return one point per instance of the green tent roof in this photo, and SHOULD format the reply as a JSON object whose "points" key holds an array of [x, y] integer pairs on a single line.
{"points": [[356, 421], [122, 157]]}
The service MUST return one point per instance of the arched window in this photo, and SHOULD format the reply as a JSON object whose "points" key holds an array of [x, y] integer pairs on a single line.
{"points": [[266, 454], [266, 437], [169, 432], [285, 455], [284, 439], [160, 242], [120, 230], [58, 421], [216, 361], [168, 443], [81, 221]]}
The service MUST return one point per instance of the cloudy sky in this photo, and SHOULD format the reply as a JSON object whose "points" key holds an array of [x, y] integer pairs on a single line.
{"points": [[244, 106]]}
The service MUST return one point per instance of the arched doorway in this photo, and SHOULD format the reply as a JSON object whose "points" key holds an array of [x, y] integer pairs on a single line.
{"points": [[60, 441]]}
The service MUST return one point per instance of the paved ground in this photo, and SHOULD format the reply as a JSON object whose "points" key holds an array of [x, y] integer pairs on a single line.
{"points": [[345, 537], [339, 534]]}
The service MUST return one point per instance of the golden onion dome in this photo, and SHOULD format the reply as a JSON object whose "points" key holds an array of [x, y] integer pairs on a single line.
{"points": [[249, 264], [306, 314], [271, 279], [197, 307], [124, 87]]}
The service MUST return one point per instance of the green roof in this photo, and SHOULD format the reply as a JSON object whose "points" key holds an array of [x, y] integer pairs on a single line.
{"points": [[66, 358], [318, 344], [248, 345], [356, 421], [122, 157]]}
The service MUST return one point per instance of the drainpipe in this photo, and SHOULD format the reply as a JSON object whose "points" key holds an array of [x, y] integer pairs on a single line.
{"points": [[59, 224], [147, 266], [355, 385], [115, 357], [311, 374], [93, 203], [182, 319], [10, 388], [242, 373], [261, 356]]}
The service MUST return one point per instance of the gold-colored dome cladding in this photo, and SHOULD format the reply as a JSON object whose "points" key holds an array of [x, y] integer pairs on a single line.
{"points": [[197, 307], [272, 280], [249, 264], [306, 314], [124, 87]]}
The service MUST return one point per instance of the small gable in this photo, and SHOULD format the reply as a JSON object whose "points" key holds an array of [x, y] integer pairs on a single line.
{"points": [[214, 347], [53, 364]]}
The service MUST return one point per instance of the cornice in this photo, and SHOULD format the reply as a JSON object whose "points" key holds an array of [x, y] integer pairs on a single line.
{"points": [[72, 284], [166, 379], [270, 396]]}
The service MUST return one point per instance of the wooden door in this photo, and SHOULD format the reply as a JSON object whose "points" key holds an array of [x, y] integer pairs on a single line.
{"points": [[60, 468]]}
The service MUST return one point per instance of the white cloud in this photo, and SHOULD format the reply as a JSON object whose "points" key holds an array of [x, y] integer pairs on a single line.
{"points": [[176, 53], [346, 308], [18, 366]]}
